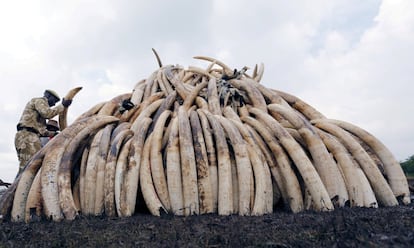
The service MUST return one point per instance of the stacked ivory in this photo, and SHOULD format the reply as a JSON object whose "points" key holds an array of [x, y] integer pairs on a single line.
{"points": [[203, 141]]}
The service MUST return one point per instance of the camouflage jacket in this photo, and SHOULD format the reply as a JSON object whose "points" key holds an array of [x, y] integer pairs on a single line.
{"points": [[36, 112]]}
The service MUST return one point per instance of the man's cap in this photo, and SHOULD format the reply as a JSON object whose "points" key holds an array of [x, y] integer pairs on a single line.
{"points": [[52, 125], [53, 93]]}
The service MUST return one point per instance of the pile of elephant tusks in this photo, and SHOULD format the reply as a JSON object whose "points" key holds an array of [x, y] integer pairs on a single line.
{"points": [[204, 140]]}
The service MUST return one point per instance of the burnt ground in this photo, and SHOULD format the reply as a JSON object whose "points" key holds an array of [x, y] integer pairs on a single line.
{"points": [[345, 227]]}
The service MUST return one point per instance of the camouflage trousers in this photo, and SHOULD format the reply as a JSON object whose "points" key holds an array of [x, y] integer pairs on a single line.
{"points": [[27, 144]]}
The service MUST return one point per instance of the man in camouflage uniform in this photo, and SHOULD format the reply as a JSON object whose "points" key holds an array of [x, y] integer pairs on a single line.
{"points": [[32, 124]]}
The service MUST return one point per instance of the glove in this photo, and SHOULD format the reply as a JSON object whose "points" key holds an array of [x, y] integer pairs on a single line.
{"points": [[66, 103], [127, 104], [51, 134]]}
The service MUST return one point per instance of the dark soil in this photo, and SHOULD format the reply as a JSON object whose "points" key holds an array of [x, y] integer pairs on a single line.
{"points": [[346, 227], [343, 227]]}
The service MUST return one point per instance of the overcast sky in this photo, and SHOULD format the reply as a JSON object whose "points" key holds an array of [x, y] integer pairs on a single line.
{"points": [[350, 59]]}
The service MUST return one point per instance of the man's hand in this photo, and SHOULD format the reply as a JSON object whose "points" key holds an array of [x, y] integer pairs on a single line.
{"points": [[66, 103], [51, 133]]}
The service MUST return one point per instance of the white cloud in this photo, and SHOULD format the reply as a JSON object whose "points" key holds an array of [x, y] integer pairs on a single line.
{"points": [[369, 82]]}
